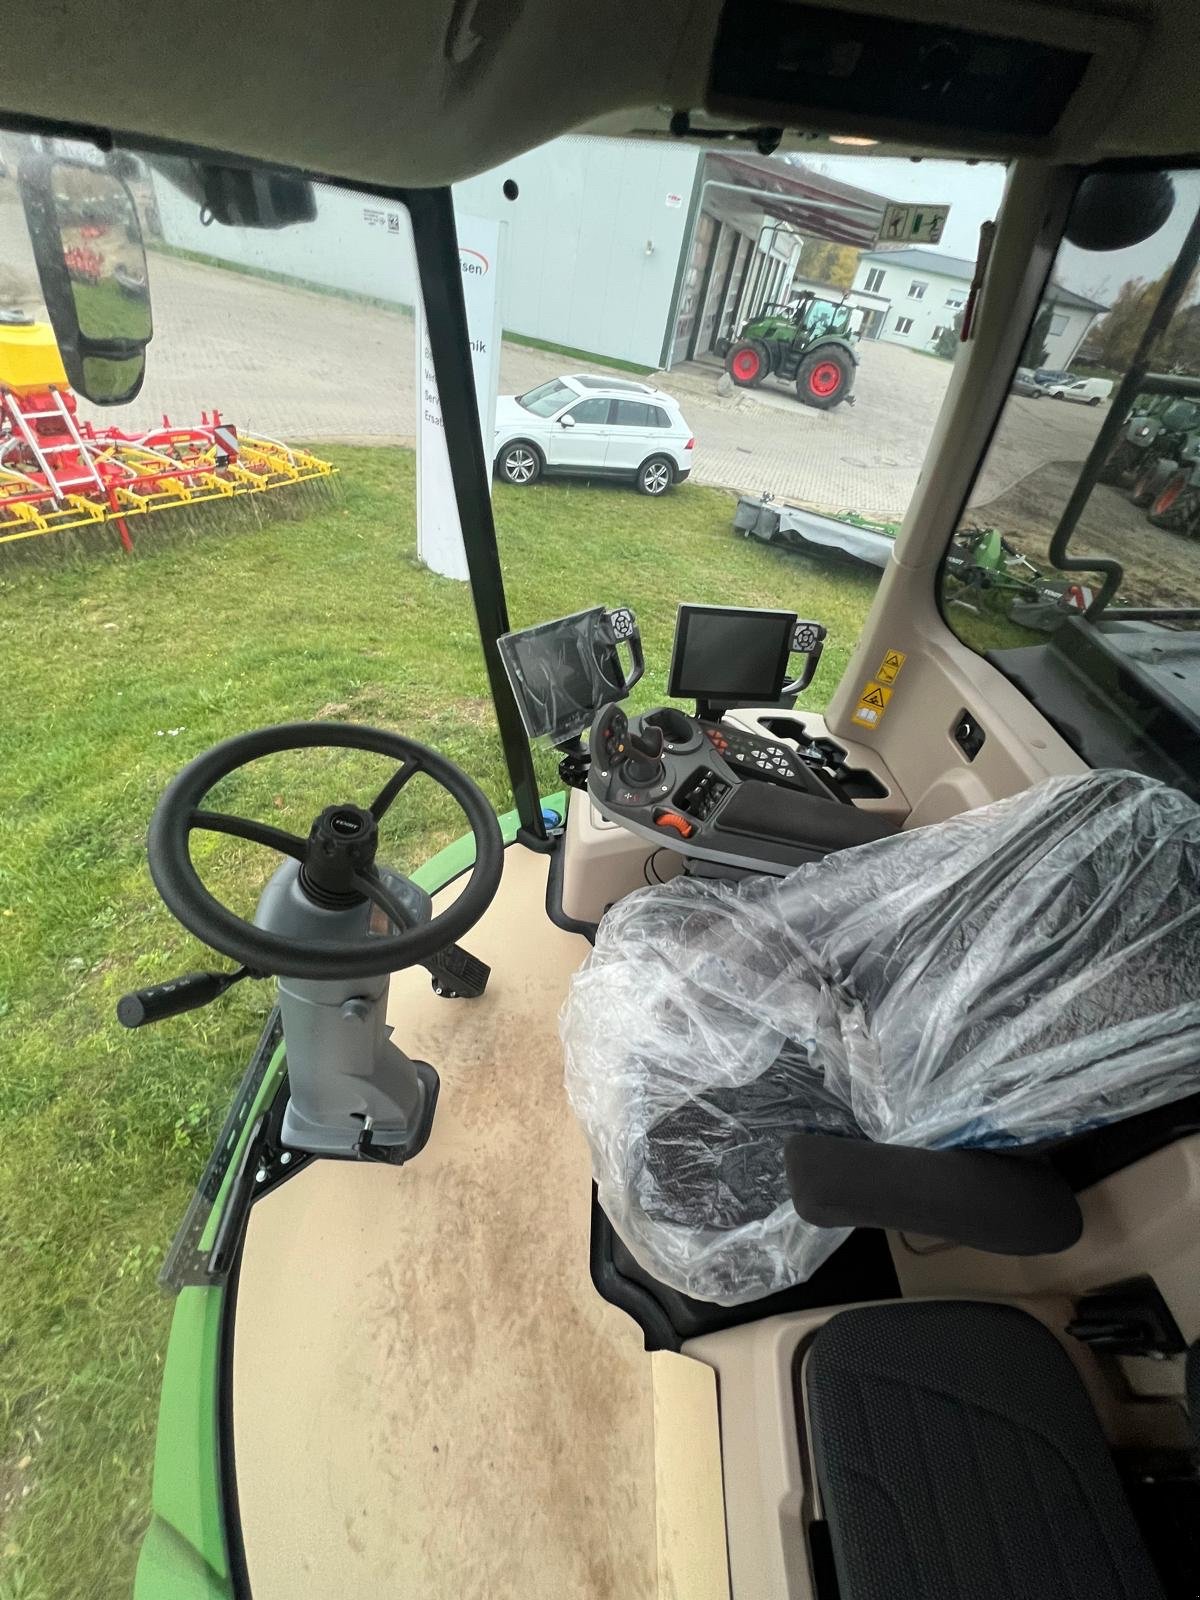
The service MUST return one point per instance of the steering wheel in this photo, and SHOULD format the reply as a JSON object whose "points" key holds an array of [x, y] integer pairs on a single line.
{"points": [[337, 859]]}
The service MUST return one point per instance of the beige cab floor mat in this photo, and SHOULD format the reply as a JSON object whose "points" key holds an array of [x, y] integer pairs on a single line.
{"points": [[429, 1397]]}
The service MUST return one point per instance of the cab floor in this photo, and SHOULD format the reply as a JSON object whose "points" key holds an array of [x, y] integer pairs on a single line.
{"points": [[429, 1396]]}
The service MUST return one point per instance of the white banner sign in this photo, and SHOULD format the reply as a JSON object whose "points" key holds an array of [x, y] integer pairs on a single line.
{"points": [[439, 536]]}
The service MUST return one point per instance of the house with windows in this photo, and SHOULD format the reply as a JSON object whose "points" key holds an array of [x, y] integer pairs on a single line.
{"points": [[910, 296]]}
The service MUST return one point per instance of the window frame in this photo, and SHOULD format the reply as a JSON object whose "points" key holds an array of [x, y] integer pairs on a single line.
{"points": [[905, 329], [878, 274], [917, 289]]}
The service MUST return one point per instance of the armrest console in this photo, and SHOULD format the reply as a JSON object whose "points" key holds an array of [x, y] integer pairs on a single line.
{"points": [[765, 811]]}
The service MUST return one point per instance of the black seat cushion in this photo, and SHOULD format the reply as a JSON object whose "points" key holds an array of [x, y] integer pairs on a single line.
{"points": [[958, 1458]]}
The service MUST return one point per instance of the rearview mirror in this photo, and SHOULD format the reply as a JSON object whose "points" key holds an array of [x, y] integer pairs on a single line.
{"points": [[1114, 210], [91, 263], [566, 422]]}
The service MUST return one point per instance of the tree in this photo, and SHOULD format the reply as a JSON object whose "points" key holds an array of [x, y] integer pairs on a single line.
{"points": [[1034, 351], [1114, 339], [1179, 350], [828, 263], [946, 343]]}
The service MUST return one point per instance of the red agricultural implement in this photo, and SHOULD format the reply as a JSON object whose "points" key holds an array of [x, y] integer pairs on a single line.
{"points": [[58, 471]]}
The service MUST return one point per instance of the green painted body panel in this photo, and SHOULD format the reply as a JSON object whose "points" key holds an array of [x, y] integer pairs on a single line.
{"points": [[169, 1565], [184, 1551], [184, 1554]]}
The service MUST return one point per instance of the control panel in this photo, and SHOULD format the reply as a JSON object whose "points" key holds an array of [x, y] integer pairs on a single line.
{"points": [[759, 757], [719, 793]]}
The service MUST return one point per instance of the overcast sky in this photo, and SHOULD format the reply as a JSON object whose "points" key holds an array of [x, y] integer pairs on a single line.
{"points": [[973, 194]]}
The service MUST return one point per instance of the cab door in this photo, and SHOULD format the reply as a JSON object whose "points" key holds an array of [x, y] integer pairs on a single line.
{"points": [[579, 436]]}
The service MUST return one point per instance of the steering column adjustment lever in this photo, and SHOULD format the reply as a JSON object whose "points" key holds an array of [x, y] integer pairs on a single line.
{"points": [[188, 993]]}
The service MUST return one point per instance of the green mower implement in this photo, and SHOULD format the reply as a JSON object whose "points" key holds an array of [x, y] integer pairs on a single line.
{"points": [[807, 342]]}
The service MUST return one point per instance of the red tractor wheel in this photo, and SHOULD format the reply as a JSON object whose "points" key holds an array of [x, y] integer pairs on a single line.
{"points": [[1151, 481], [1175, 507], [748, 363], [824, 378]]}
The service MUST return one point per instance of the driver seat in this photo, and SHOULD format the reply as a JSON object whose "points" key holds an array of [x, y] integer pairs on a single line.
{"points": [[1002, 979]]}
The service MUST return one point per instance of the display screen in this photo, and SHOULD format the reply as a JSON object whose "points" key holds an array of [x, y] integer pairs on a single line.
{"points": [[725, 654], [562, 672]]}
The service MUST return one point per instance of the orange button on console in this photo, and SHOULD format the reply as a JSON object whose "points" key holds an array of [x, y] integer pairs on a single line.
{"points": [[672, 819]]}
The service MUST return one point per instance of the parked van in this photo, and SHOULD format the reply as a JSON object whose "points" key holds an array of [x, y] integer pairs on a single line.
{"points": [[1088, 391]]}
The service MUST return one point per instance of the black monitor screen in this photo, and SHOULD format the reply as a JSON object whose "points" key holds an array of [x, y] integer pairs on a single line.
{"points": [[725, 654], [562, 672]]}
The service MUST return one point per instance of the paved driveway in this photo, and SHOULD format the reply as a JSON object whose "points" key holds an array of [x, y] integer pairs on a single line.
{"points": [[296, 364]]}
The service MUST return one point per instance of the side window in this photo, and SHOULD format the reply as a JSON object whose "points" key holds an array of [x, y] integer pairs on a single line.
{"points": [[591, 411], [916, 289], [873, 280], [903, 324], [658, 417], [634, 414], [1090, 603]]}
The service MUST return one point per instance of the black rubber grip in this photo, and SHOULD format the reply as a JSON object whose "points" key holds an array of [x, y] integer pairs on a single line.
{"points": [[169, 999]]}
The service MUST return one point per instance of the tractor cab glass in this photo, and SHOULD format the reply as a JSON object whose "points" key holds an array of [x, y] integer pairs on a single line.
{"points": [[1080, 580], [821, 316]]}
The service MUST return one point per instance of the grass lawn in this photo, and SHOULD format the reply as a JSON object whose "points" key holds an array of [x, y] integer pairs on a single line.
{"points": [[117, 671]]}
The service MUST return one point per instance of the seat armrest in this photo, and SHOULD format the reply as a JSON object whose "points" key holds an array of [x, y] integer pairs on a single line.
{"points": [[759, 810], [1013, 1205]]}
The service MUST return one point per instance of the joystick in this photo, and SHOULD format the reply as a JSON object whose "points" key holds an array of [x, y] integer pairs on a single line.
{"points": [[643, 764]]}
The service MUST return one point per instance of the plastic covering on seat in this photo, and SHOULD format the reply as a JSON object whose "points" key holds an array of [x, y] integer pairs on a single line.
{"points": [[1011, 976]]}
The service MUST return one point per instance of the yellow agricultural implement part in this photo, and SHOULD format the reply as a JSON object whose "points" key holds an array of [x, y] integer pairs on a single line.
{"points": [[57, 472]]}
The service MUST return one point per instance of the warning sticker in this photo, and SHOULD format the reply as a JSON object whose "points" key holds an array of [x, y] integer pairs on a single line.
{"points": [[872, 703], [889, 667]]}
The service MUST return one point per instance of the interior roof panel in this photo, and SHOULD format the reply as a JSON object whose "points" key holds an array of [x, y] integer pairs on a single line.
{"points": [[423, 92]]}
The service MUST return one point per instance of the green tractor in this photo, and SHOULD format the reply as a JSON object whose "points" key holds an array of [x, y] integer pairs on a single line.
{"points": [[807, 341]]}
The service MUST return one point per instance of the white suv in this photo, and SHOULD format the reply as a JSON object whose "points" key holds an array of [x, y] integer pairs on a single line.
{"points": [[593, 427]]}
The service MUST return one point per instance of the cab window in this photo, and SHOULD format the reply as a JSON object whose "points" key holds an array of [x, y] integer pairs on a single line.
{"points": [[1095, 619]]}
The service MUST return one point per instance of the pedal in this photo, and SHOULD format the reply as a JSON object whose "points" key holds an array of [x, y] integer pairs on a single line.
{"points": [[457, 974]]}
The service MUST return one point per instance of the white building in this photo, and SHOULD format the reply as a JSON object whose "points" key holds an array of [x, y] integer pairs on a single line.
{"points": [[911, 295], [647, 253]]}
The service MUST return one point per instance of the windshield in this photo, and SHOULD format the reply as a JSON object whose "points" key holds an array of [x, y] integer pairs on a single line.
{"points": [[268, 531], [547, 398]]}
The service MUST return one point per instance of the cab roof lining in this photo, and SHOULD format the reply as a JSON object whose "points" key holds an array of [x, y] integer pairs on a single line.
{"points": [[425, 92]]}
